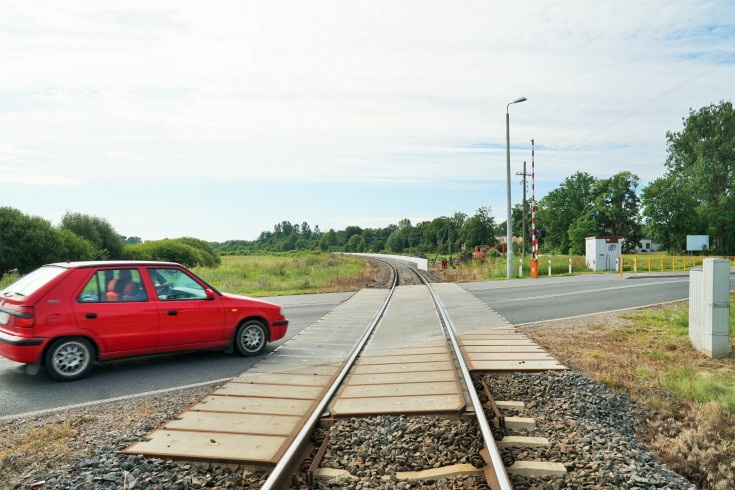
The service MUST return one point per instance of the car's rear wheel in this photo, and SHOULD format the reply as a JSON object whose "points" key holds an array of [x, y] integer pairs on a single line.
{"points": [[69, 359], [251, 338]]}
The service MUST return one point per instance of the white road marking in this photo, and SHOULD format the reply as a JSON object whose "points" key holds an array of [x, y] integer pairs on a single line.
{"points": [[108, 400], [536, 297]]}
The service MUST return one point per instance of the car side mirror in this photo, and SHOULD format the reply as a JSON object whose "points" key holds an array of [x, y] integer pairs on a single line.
{"points": [[210, 294]]}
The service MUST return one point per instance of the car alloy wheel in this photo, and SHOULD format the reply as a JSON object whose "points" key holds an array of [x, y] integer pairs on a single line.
{"points": [[251, 338], [69, 359]]}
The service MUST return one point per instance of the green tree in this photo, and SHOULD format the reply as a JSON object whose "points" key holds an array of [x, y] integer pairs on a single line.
{"points": [[671, 212], [355, 244], [703, 153], [209, 256], [560, 207], [27, 242], [164, 250], [75, 247], [615, 208], [478, 230], [96, 230], [396, 242]]}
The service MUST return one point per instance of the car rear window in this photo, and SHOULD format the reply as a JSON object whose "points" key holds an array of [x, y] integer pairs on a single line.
{"points": [[32, 282]]}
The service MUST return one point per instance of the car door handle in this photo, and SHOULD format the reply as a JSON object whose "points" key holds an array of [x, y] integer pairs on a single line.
{"points": [[91, 316], [171, 312]]}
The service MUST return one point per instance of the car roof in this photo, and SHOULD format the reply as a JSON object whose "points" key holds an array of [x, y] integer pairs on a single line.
{"points": [[111, 263]]}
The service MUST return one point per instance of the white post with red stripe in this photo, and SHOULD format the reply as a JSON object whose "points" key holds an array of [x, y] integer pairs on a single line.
{"points": [[520, 267], [549, 267], [534, 242]]}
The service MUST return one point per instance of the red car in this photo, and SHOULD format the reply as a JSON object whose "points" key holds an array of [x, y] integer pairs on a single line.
{"points": [[68, 315]]}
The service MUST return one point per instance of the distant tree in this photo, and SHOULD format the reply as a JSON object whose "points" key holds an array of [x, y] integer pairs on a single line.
{"points": [[478, 230], [703, 154], [560, 207], [328, 240], [396, 242], [355, 244], [130, 240], [74, 247], [209, 256], [671, 212], [615, 208], [96, 230], [164, 250]]}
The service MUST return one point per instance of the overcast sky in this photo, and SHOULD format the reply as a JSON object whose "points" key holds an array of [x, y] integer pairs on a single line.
{"points": [[219, 119]]}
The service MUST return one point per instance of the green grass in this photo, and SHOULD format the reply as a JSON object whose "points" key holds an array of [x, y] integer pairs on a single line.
{"points": [[272, 275], [8, 279], [662, 334], [701, 386]]}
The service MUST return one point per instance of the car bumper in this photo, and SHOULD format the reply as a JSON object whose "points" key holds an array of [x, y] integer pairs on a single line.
{"points": [[278, 329], [21, 349]]}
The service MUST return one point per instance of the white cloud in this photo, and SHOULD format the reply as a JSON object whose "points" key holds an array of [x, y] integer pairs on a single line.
{"points": [[402, 92]]}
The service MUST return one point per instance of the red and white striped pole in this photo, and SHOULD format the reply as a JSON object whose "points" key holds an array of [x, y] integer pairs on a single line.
{"points": [[534, 243]]}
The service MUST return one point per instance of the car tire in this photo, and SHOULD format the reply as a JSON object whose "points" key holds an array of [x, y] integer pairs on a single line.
{"points": [[251, 338], [69, 359]]}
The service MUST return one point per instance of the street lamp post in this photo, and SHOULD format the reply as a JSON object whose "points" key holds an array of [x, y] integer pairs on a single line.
{"points": [[509, 220]]}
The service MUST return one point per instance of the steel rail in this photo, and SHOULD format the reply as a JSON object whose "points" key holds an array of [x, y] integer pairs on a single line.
{"points": [[492, 448], [275, 479]]}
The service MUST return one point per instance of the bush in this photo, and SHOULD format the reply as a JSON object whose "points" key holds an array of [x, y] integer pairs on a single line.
{"points": [[209, 256], [166, 251]]}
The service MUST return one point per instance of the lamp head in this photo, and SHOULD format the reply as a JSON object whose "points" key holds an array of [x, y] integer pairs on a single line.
{"points": [[522, 99]]}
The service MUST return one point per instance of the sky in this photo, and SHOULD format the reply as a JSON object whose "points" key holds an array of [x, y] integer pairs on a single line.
{"points": [[220, 119]]}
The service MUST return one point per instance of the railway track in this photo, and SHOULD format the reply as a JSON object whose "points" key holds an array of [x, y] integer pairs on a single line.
{"points": [[409, 361], [495, 472]]}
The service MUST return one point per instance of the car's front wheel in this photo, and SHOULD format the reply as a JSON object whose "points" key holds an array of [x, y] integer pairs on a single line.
{"points": [[69, 359], [251, 338]]}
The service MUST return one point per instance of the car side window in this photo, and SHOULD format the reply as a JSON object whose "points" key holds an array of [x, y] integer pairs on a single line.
{"points": [[175, 284], [114, 285]]}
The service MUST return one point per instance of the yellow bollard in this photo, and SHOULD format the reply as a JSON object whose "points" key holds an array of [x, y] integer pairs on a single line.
{"points": [[662, 265], [635, 265], [685, 265], [621, 266], [673, 264], [649, 265]]}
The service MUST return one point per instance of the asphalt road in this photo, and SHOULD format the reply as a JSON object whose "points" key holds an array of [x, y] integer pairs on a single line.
{"points": [[519, 301], [523, 301], [21, 393]]}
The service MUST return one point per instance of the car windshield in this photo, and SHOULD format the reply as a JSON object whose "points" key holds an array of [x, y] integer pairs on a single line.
{"points": [[30, 283]]}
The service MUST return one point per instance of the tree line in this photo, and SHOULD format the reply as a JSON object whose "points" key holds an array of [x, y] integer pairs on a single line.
{"points": [[27, 242], [694, 196]]}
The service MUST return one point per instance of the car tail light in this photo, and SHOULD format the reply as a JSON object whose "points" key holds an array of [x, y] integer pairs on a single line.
{"points": [[24, 317]]}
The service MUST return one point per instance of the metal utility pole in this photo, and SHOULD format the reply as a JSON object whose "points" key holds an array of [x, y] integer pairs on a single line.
{"points": [[524, 174], [509, 219]]}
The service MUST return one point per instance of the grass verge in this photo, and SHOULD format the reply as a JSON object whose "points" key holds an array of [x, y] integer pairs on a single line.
{"points": [[275, 275], [647, 356]]}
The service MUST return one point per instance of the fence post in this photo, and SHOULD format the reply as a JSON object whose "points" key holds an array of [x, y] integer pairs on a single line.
{"points": [[549, 267], [520, 267], [570, 265]]}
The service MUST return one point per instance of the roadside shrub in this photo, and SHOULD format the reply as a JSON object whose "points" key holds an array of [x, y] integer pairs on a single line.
{"points": [[164, 250], [209, 256]]}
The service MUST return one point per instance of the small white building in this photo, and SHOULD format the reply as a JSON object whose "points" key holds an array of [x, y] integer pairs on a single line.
{"points": [[646, 245], [601, 252]]}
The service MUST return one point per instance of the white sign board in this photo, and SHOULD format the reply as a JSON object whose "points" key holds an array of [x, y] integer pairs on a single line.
{"points": [[697, 243]]}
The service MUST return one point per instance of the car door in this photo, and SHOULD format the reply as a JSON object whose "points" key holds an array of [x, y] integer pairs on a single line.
{"points": [[186, 315], [121, 321]]}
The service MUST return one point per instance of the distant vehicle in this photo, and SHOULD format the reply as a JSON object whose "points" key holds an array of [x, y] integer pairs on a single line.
{"points": [[482, 250], [66, 316]]}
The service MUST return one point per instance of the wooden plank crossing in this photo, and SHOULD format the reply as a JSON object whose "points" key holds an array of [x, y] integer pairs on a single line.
{"points": [[488, 341], [397, 373], [253, 418]]}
